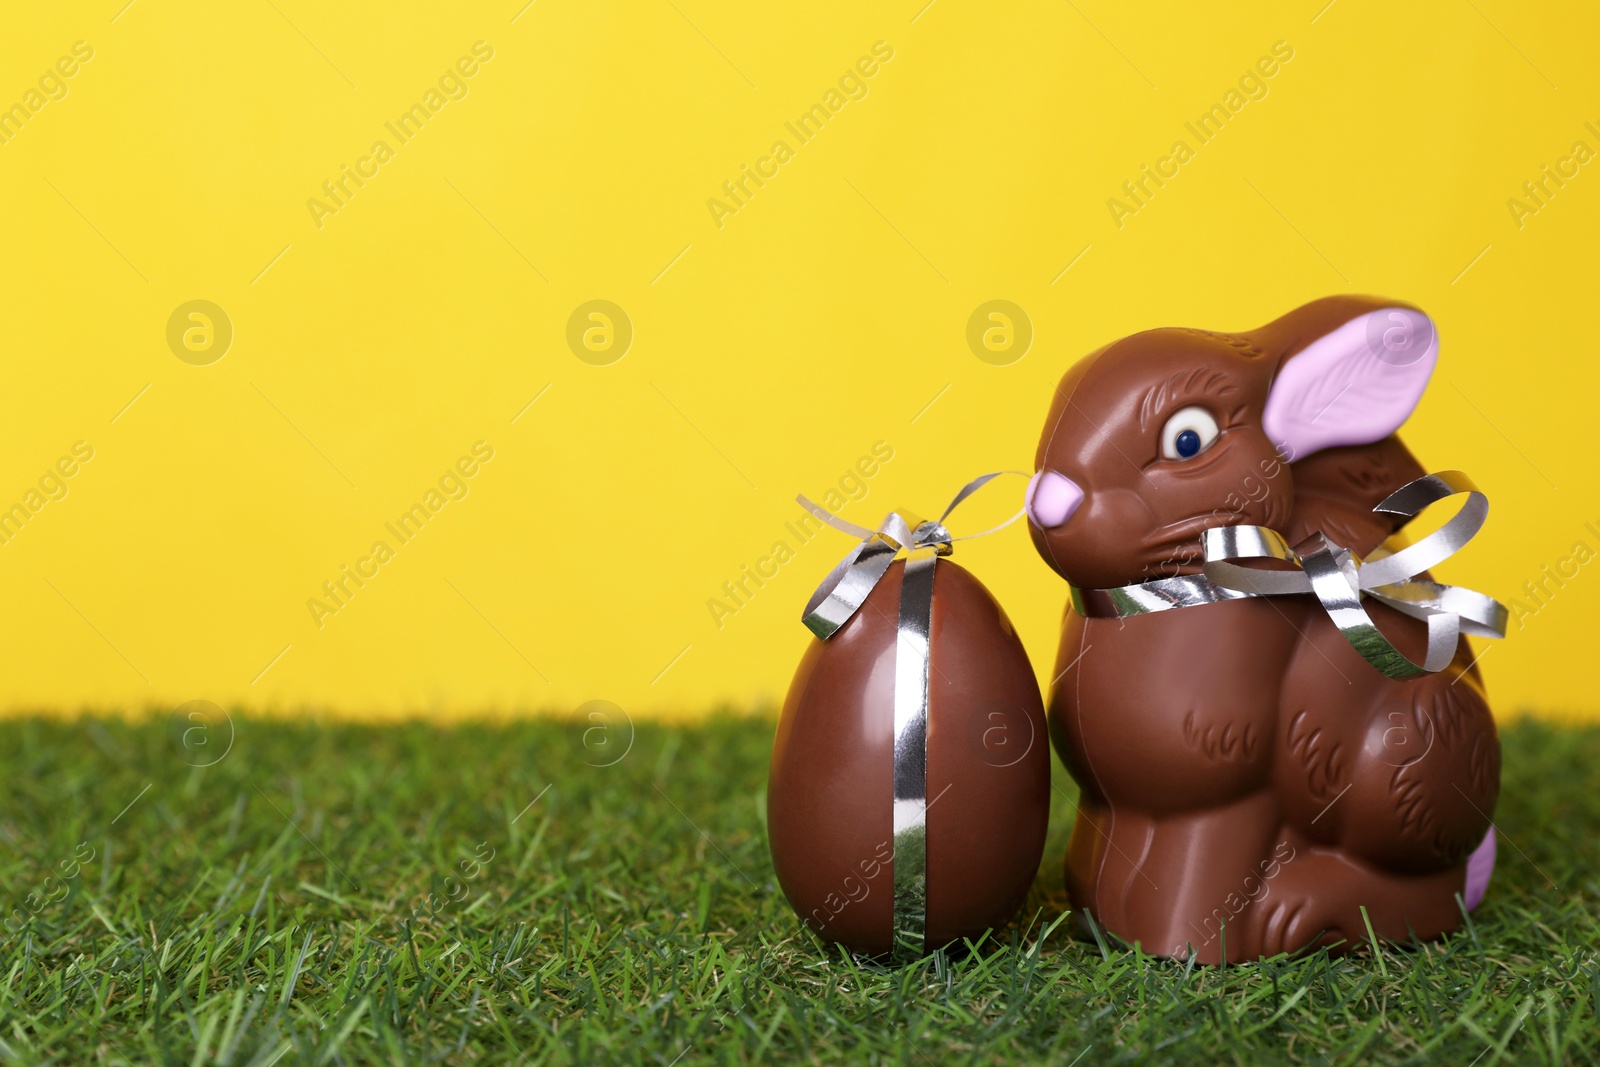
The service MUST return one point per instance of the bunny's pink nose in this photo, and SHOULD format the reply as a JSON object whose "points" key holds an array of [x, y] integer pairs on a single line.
{"points": [[1052, 498]]}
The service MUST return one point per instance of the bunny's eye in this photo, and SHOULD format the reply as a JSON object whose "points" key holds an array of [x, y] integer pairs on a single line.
{"points": [[1188, 433]]}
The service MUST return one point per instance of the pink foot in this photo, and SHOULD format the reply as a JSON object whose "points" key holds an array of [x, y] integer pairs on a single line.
{"points": [[1480, 865]]}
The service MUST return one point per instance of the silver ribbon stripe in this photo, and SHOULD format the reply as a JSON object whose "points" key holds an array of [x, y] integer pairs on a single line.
{"points": [[1339, 578], [835, 602]]}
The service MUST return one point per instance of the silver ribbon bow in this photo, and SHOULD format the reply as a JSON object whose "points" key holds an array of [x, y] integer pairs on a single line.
{"points": [[835, 602], [1339, 578]]}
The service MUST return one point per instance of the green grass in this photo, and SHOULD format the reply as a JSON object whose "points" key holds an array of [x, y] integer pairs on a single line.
{"points": [[275, 907]]}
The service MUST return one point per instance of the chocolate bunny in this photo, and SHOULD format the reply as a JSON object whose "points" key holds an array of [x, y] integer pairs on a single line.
{"points": [[1249, 782]]}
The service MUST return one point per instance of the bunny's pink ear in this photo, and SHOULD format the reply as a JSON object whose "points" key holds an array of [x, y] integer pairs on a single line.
{"points": [[1353, 386]]}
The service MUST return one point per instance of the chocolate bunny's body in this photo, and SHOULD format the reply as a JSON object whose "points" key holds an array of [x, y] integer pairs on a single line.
{"points": [[1249, 782]]}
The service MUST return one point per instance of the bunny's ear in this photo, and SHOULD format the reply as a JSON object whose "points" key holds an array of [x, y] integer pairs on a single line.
{"points": [[1353, 386]]}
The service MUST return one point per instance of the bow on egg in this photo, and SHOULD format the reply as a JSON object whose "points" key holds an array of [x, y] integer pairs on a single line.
{"points": [[845, 589]]}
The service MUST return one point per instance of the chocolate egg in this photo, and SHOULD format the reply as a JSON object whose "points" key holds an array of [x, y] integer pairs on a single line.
{"points": [[864, 860]]}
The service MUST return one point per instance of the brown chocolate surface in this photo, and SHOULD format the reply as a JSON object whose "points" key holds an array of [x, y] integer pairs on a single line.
{"points": [[1240, 763], [830, 794]]}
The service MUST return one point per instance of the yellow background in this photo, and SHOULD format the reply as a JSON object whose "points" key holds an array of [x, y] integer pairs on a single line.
{"points": [[769, 353]]}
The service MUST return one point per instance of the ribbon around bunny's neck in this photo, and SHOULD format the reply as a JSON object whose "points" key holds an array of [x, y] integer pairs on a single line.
{"points": [[1339, 578], [835, 602]]}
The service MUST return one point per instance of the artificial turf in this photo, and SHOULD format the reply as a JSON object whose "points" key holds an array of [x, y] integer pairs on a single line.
{"points": [[352, 893]]}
